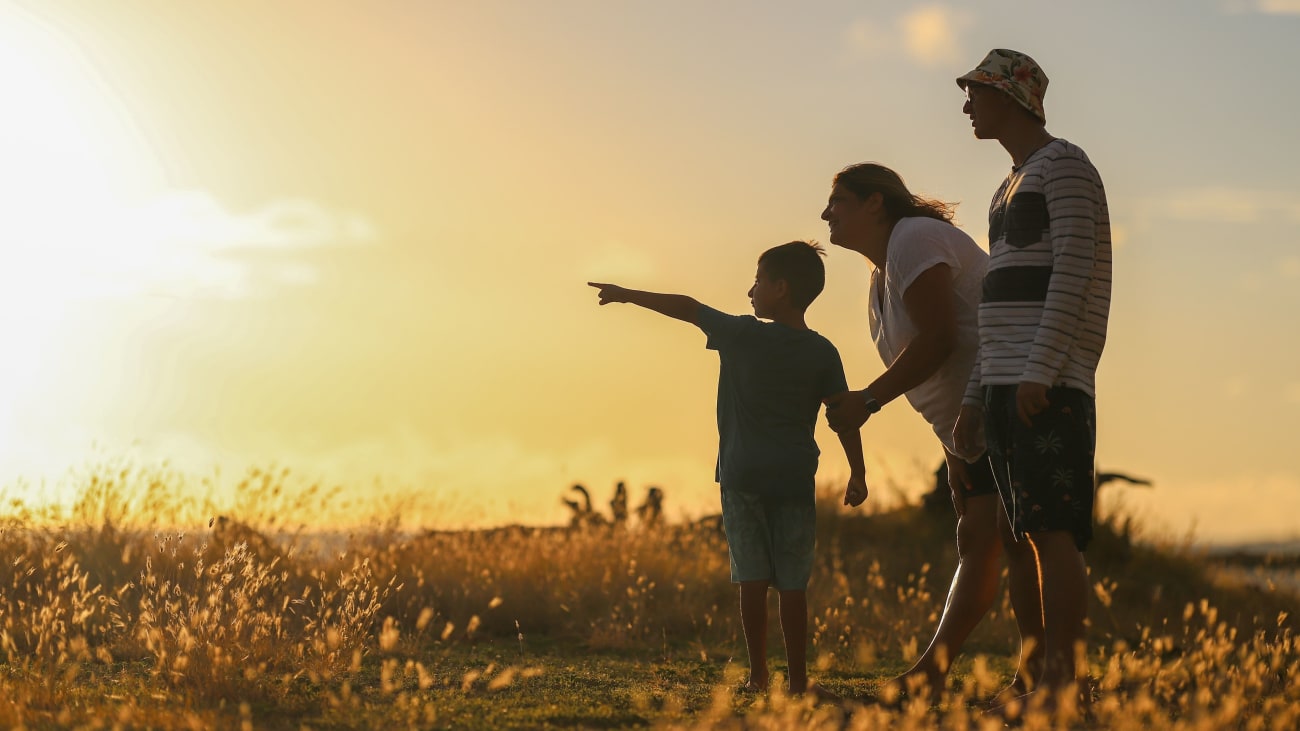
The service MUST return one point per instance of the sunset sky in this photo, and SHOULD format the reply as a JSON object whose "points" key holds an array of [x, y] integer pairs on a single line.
{"points": [[353, 238]]}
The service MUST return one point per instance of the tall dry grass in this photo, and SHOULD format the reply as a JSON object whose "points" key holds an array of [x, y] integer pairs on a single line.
{"points": [[250, 608]]}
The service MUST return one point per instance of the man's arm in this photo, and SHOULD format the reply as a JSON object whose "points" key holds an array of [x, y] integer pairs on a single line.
{"points": [[1074, 195], [929, 302], [677, 306]]}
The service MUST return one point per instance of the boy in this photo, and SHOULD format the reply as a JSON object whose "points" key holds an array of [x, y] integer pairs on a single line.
{"points": [[771, 383]]}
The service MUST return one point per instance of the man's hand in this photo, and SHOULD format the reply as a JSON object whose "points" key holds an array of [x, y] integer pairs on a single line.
{"points": [[1031, 399], [609, 292], [966, 432], [846, 411], [958, 481], [856, 492]]}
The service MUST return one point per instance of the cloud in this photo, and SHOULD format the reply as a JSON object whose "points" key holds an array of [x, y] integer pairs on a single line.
{"points": [[1230, 205], [1263, 7], [929, 35], [198, 218], [184, 244], [1289, 267], [1291, 392]]}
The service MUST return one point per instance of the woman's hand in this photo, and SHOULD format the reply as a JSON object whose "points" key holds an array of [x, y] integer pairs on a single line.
{"points": [[846, 411]]}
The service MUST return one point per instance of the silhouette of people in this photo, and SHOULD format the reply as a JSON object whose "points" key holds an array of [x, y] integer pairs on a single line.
{"points": [[924, 294], [1042, 326], [772, 379]]}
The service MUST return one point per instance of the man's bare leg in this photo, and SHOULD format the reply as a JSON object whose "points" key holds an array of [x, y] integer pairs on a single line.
{"points": [[1027, 604], [1064, 582]]}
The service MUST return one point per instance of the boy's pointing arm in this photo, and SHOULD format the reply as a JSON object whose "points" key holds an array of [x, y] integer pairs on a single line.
{"points": [[677, 306]]}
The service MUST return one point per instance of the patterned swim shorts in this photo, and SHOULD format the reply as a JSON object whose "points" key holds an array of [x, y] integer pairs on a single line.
{"points": [[1045, 471]]}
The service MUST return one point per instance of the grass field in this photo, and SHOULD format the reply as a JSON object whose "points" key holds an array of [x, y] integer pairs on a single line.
{"points": [[108, 619]]}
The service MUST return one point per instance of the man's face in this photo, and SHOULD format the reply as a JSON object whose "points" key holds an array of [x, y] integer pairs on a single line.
{"points": [[987, 108]]}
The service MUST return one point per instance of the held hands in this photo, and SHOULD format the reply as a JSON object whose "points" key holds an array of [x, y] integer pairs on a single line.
{"points": [[846, 411], [609, 292], [856, 492]]}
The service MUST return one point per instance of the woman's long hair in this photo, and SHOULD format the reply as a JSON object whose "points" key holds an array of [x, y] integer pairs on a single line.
{"points": [[866, 178]]}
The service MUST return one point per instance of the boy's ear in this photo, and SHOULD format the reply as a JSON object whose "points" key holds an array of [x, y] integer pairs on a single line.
{"points": [[782, 288]]}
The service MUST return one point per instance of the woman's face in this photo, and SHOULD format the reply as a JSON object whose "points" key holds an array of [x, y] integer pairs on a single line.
{"points": [[845, 216]]}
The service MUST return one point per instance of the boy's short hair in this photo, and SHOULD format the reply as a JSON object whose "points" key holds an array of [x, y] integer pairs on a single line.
{"points": [[799, 263]]}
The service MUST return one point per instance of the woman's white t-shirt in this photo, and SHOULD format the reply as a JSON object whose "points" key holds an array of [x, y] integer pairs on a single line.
{"points": [[916, 245]]}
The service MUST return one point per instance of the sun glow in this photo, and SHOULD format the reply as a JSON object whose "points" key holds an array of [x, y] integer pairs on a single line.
{"points": [[71, 166]]}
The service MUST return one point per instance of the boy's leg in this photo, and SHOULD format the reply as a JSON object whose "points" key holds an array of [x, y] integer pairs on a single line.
{"points": [[794, 630], [746, 521], [753, 619], [794, 539], [974, 589]]}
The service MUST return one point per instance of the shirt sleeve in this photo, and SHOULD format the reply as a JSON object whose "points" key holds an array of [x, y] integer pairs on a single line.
{"points": [[835, 381], [721, 328], [1073, 192], [917, 254]]}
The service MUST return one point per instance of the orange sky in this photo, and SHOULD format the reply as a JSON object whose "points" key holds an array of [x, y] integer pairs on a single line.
{"points": [[353, 239]]}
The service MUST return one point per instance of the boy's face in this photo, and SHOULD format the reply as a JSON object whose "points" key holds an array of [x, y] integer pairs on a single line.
{"points": [[766, 294]]}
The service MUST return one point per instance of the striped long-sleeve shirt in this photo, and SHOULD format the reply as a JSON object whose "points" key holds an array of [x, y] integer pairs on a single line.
{"points": [[1046, 296]]}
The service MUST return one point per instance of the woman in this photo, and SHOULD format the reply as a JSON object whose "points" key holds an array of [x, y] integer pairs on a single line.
{"points": [[926, 282]]}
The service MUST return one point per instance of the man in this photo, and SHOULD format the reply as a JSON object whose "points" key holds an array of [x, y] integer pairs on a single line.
{"points": [[1042, 324]]}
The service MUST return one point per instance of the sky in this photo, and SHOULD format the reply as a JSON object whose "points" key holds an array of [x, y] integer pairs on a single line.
{"points": [[352, 239]]}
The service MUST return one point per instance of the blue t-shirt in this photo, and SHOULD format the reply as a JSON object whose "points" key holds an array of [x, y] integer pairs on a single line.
{"points": [[770, 387]]}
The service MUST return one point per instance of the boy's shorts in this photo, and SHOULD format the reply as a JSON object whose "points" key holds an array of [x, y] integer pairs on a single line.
{"points": [[769, 540], [1044, 472]]}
